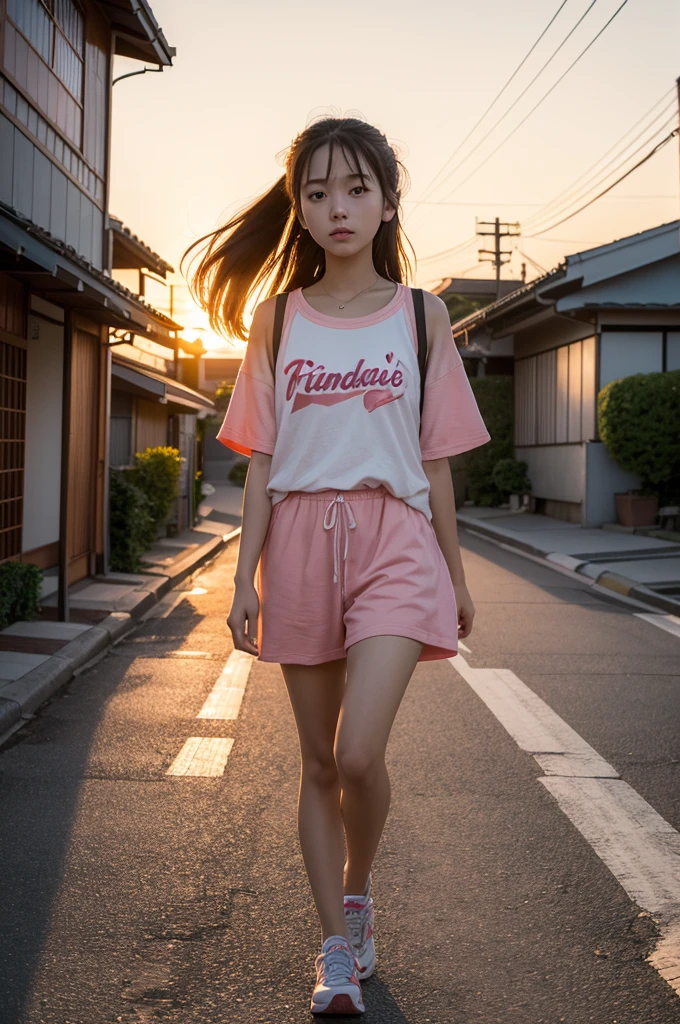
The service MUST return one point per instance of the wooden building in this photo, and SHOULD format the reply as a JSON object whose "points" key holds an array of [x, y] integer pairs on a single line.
{"points": [[62, 314]]}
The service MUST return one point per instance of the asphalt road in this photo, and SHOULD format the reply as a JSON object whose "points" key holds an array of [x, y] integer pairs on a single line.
{"points": [[132, 895]]}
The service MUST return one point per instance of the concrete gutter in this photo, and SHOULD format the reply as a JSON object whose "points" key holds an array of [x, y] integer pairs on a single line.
{"points": [[590, 566]]}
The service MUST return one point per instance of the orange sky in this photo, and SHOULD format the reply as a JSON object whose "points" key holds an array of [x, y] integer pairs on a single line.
{"points": [[193, 144]]}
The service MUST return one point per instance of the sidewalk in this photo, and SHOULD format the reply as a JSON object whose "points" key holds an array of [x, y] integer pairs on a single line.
{"points": [[644, 568], [38, 657]]}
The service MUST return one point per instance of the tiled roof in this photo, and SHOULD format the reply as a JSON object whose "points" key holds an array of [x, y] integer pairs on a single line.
{"points": [[155, 260], [68, 251]]}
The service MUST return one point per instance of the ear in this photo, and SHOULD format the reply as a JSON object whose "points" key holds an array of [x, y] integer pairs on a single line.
{"points": [[388, 212]]}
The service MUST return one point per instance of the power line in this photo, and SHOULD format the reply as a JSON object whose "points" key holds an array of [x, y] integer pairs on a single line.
{"points": [[450, 252], [644, 160], [561, 207], [566, 197], [518, 98], [538, 266], [474, 128], [611, 149], [542, 100]]}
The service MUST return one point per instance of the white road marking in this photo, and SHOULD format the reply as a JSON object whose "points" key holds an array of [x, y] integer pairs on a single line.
{"points": [[671, 623], [640, 848], [463, 647], [201, 755], [224, 700]]}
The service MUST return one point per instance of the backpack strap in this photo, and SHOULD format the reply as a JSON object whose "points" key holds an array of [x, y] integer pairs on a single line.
{"points": [[279, 313], [421, 331]]}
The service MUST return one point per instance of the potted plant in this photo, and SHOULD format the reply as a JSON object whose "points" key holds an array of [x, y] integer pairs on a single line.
{"points": [[638, 420], [636, 509], [510, 477]]}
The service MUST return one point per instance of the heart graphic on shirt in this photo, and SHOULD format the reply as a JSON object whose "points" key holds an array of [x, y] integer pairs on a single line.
{"points": [[389, 357], [374, 399]]}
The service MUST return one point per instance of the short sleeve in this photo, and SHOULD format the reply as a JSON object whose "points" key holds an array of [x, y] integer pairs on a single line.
{"points": [[250, 422], [451, 421]]}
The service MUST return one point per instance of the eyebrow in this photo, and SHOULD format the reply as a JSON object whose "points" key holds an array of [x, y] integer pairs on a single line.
{"points": [[313, 181]]}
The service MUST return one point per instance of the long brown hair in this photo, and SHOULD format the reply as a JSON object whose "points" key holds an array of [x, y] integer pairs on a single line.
{"points": [[266, 240]]}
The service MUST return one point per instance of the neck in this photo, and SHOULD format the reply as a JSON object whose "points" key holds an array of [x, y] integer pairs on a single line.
{"points": [[346, 277]]}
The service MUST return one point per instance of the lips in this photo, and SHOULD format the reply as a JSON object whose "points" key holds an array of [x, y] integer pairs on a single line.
{"points": [[342, 231]]}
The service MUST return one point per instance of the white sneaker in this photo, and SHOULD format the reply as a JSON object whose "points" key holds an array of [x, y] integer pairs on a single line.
{"points": [[337, 989], [359, 918]]}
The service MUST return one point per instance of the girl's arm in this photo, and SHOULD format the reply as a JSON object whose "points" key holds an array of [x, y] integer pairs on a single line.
{"points": [[256, 513], [443, 506]]}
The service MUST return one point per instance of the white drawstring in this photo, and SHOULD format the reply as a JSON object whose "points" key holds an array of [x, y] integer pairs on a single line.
{"points": [[329, 523]]}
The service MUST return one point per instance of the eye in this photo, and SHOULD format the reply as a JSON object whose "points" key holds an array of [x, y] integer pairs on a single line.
{"points": [[360, 186], [312, 194]]}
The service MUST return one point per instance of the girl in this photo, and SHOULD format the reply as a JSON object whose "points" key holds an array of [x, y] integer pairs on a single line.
{"points": [[348, 512]]}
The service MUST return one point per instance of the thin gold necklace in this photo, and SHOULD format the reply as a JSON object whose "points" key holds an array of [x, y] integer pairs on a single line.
{"points": [[347, 301]]}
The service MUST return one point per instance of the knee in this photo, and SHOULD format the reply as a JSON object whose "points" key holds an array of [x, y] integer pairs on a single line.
{"points": [[356, 765], [321, 772]]}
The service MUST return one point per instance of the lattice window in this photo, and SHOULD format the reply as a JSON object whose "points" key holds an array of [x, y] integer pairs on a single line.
{"points": [[12, 445]]}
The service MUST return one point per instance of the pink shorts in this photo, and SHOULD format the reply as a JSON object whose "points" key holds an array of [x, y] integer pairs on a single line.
{"points": [[339, 566]]}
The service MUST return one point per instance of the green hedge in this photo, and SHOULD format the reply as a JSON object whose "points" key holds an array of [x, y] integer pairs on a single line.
{"points": [[131, 525], [140, 500], [20, 584], [494, 395], [156, 472], [198, 490], [510, 477], [639, 422]]}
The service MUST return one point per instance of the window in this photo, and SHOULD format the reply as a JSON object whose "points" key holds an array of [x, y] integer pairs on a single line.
{"points": [[12, 442], [555, 395], [55, 29]]}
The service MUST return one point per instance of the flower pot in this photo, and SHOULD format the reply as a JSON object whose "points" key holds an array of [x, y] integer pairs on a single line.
{"points": [[636, 509]]}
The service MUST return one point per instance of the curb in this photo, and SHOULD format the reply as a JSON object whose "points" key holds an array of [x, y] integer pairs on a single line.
{"points": [[21, 698], [608, 580]]}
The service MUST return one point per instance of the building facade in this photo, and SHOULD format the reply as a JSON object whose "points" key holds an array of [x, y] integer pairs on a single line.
{"points": [[62, 313], [604, 314]]}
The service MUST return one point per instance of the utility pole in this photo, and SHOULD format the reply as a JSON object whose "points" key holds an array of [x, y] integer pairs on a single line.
{"points": [[497, 254], [677, 82]]}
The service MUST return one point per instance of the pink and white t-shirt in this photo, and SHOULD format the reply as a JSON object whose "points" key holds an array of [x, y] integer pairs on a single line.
{"points": [[344, 411]]}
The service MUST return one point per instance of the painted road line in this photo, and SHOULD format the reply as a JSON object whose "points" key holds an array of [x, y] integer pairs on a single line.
{"points": [[671, 623], [533, 725], [224, 700], [202, 755], [640, 848], [463, 647]]}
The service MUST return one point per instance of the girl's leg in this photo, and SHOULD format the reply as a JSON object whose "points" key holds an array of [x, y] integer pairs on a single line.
{"points": [[378, 672], [316, 693]]}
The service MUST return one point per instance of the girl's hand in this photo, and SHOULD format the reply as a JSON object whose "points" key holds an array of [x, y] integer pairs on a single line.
{"points": [[245, 609], [466, 610]]}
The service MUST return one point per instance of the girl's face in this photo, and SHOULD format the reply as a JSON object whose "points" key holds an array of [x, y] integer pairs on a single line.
{"points": [[341, 202]]}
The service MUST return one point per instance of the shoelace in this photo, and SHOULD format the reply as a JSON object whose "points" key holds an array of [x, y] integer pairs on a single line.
{"points": [[356, 924], [336, 965]]}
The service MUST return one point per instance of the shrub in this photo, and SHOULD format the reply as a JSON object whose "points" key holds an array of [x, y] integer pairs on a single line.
{"points": [[238, 473], [198, 490], [494, 395], [223, 395], [19, 592], [510, 477], [156, 473], [131, 525], [638, 419]]}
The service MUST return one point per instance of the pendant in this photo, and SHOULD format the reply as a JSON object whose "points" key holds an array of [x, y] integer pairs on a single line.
{"points": [[341, 306]]}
